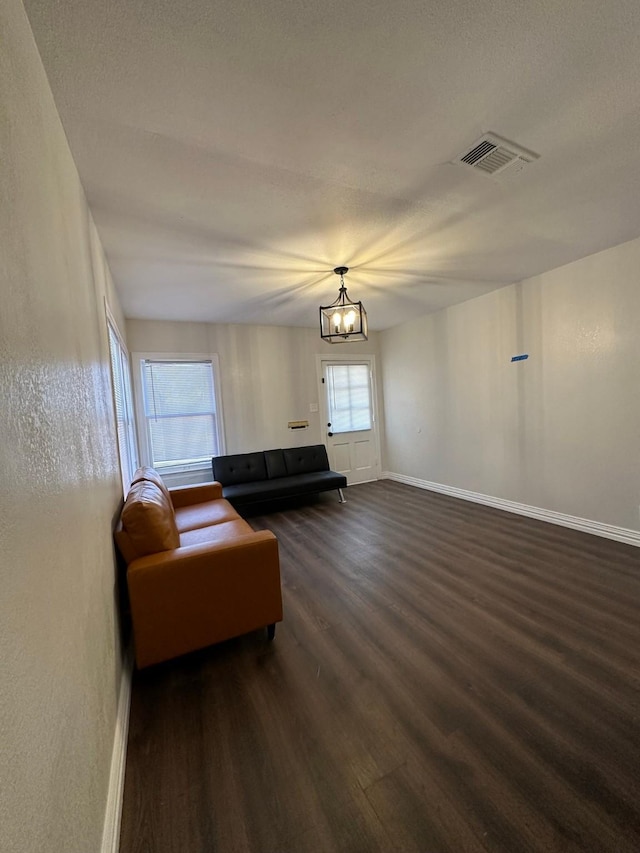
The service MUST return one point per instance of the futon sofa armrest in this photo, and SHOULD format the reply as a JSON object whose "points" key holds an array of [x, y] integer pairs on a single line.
{"points": [[189, 495], [197, 595]]}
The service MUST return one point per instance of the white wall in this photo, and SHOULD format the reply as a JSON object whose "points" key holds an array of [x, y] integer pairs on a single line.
{"points": [[559, 431], [60, 662], [268, 375]]}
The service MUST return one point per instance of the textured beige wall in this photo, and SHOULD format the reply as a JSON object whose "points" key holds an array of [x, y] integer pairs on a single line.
{"points": [[268, 375], [558, 431], [59, 650]]}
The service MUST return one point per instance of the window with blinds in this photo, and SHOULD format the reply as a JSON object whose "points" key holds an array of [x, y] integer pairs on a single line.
{"points": [[123, 402], [179, 400], [349, 397]]}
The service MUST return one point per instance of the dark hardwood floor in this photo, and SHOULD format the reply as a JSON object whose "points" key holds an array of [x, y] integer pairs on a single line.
{"points": [[448, 677]]}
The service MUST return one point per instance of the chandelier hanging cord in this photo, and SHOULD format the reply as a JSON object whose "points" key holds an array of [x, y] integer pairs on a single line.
{"points": [[343, 296]]}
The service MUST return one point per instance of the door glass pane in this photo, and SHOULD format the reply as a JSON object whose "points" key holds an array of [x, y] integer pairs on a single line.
{"points": [[348, 397]]}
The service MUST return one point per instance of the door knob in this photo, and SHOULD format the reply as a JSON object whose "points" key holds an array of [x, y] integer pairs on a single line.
{"points": [[329, 434]]}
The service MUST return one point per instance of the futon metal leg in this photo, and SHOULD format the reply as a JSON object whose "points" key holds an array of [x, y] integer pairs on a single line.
{"points": [[271, 631], [343, 500]]}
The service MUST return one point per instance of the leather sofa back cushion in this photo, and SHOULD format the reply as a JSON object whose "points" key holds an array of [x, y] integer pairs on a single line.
{"points": [[148, 519], [276, 467], [306, 460], [239, 468], [150, 474]]}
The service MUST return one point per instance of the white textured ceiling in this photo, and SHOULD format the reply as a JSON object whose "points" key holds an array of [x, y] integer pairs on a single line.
{"points": [[234, 152]]}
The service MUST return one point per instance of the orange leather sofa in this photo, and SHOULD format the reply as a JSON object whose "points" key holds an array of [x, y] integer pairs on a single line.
{"points": [[196, 571]]}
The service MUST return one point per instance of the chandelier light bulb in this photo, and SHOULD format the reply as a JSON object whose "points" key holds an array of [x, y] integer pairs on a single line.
{"points": [[349, 320]]}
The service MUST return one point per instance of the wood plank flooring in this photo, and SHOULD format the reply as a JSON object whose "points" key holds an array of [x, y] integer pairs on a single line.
{"points": [[448, 677]]}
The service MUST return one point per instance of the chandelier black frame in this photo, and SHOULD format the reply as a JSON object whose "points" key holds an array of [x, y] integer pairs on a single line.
{"points": [[343, 320]]}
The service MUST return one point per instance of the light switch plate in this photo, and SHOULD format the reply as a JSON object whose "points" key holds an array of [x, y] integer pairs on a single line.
{"points": [[313, 407]]}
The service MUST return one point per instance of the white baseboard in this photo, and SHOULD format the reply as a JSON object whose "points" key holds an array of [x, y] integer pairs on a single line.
{"points": [[113, 813], [608, 531]]}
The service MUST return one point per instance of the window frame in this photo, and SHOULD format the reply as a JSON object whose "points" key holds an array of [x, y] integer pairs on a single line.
{"points": [[129, 456], [138, 359]]}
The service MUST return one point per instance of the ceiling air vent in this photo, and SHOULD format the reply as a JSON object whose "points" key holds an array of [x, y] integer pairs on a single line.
{"points": [[496, 156]]}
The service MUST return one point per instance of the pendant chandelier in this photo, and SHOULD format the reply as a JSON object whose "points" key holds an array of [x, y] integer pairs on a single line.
{"points": [[343, 320]]}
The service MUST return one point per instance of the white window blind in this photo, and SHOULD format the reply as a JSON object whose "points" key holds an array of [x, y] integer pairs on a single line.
{"points": [[123, 400], [180, 411], [349, 397]]}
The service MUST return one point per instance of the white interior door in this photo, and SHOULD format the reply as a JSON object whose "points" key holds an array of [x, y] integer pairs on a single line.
{"points": [[349, 418]]}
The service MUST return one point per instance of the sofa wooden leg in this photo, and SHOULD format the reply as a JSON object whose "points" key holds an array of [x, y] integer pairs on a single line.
{"points": [[343, 500], [271, 631]]}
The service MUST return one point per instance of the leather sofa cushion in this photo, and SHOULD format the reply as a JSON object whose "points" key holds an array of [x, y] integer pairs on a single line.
{"points": [[150, 474], [276, 467], [228, 531], [239, 468], [148, 519], [204, 514], [305, 460]]}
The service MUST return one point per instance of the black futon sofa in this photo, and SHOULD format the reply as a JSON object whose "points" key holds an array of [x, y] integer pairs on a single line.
{"points": [[267, 475]]}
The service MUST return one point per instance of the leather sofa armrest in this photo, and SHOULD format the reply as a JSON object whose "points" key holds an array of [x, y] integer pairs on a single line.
{"points": [[189, 495], [196, 595], [207, 554]]}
